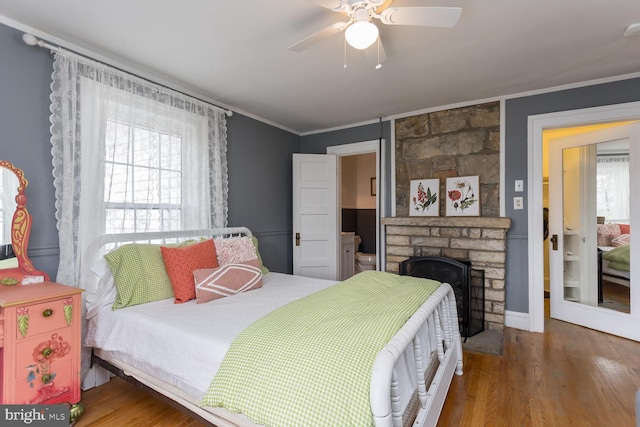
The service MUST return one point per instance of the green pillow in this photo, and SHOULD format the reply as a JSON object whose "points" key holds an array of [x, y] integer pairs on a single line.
{"points": [[139, 274], [264, 269]]}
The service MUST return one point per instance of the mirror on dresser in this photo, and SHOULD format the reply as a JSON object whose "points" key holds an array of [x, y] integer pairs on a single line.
{"points": [[15, 228]]}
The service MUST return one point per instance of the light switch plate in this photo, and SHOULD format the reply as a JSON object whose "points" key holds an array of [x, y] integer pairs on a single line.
{"points": [[519, 185]]}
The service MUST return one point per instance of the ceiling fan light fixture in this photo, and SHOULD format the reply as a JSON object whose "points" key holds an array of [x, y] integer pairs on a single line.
{"points": [[361, 34]]}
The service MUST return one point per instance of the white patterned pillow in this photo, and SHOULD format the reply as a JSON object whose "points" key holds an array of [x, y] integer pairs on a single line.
{"points": [[606, 232], [227, 280], [235, 250]]}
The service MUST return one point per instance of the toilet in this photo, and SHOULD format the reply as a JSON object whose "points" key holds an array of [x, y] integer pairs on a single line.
{"points": [[364, 261]]}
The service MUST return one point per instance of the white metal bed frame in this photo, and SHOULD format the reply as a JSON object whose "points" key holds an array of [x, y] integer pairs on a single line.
{"points": [[438, 314]]}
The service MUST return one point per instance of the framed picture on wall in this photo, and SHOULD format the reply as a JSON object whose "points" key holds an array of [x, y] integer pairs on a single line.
{"points": [[423, 197], [463, 196]]}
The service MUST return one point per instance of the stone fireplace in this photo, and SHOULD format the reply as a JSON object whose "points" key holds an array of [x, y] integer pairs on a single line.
{"points": [[480, 241]]}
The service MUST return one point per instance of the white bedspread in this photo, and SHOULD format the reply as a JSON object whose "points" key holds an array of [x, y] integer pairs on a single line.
{"points": [[204, 332]]}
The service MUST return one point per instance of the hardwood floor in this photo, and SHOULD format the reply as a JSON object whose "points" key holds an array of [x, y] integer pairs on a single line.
{"points": [[120, 404], [568, 376]]}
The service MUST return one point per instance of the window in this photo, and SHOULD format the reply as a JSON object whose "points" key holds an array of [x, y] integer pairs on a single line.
{"points": [[613, 188], [143, 176]]}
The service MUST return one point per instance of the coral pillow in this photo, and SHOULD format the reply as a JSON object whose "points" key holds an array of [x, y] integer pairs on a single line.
{"points": [[227, 280], [235, 250], [625, 228], [180, 264]]}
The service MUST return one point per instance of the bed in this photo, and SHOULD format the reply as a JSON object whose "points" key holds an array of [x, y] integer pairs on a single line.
{"points": [[613, 252], [179, 351], [615, 264]]}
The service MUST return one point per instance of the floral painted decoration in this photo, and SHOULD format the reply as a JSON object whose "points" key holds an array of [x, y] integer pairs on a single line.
{"points": [[9, 281], [68, 310], [23, 320], [44, 354]]}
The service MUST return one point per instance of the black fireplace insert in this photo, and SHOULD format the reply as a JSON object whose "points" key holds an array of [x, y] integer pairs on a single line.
{"points": [[467, 284]]}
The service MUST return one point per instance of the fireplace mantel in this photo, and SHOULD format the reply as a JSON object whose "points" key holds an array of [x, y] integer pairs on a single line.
{"points": [[450, 221], [482, 241]]}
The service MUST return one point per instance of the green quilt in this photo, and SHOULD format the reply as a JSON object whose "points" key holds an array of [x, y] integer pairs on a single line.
{"points": [[309, 362], [618, 258]]}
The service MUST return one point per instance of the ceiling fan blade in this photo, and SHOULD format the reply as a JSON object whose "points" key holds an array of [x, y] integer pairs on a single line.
{"points": [[316, 37], [329, 4], [423, 16], [374, 56]]}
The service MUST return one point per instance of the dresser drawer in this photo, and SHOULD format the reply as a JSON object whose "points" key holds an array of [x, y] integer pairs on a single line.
{"points": [[45, 369], [41, 318]]}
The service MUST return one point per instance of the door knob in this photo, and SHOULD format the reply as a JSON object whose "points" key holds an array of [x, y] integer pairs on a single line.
{"points": [[297, 239], [554, 241]]}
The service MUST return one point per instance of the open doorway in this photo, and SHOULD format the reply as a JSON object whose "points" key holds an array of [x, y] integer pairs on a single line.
{"points": [[590, 316], [358, 213], [358, 201]]}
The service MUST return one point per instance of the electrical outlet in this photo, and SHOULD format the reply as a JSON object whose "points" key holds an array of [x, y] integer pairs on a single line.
{"points": [[518, 203]]}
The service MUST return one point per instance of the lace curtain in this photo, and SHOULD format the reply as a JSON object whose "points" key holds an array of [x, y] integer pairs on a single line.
{"points": [[613, 188], [167, 170], [129, 156]]}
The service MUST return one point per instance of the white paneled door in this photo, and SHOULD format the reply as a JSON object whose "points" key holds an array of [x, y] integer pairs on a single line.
{"points": [[315, 216], [573, 252]]}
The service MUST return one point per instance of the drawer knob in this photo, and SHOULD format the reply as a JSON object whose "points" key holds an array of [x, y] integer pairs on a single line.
{"points": [[47, 313]]}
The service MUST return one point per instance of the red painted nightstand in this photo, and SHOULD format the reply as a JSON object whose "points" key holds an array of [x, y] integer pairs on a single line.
{"points": [[40, 344]]}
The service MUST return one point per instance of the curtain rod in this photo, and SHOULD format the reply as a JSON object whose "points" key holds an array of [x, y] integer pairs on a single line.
{"points": [[32, 40]]}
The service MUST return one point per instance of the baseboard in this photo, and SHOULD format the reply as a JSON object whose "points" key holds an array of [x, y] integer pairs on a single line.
{"points": [[515, 319]]}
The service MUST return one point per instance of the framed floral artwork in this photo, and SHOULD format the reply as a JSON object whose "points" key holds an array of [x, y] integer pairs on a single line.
{"points": [[424, 200], [463, 196]]}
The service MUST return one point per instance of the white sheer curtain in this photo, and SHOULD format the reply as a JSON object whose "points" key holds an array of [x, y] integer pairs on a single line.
{"points": [[130, 155], [613, 188]]}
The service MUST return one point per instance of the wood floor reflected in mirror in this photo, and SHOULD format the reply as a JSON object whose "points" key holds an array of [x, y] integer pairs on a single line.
{"points": [[615, 296]]}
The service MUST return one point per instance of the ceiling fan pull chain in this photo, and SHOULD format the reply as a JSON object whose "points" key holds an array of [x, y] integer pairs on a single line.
{"points": [[345, 54], [379, 64]]}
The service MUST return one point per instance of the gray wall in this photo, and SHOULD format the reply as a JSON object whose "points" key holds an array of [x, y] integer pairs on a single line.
{"points": [[25, 76], [517, 112], [260, 186], [259, 158]]}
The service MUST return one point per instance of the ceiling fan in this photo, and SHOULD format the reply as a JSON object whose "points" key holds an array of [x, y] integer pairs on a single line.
{"points": [[361, 32]]}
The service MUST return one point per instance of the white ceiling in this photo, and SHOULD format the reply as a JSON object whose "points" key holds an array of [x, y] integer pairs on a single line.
{"points": [[235, 52]]}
